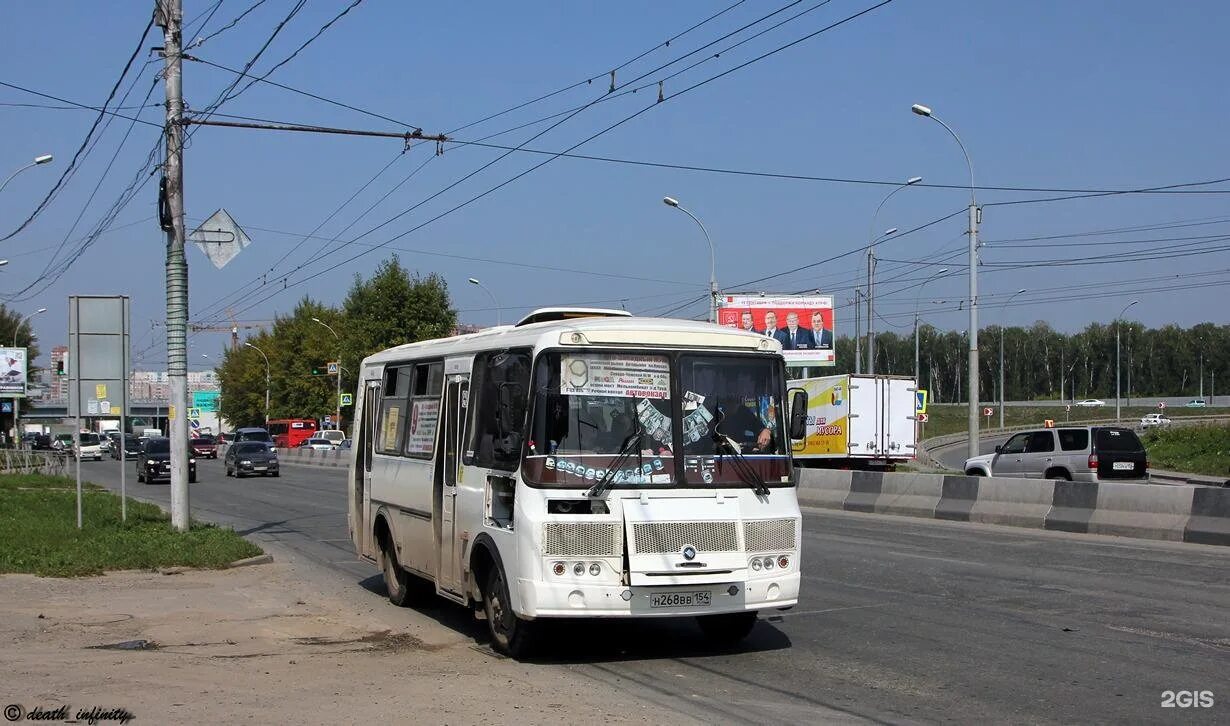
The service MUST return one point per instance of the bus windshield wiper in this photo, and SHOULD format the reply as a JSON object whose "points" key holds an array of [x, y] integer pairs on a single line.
{"points": [[743, 468], [630, 444]]}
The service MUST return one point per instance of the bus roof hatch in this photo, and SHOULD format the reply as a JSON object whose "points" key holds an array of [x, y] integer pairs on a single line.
{"points": [[547, 315]]}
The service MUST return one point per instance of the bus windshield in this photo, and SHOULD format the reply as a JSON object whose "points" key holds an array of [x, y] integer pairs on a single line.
{"points": [[722, 412]]}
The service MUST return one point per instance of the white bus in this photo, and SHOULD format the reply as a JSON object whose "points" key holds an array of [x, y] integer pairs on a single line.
{"points": [[581, 463]]}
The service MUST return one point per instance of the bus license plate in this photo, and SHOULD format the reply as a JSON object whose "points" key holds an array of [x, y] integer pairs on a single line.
{"points": [[680, 599], [1123, 466]]}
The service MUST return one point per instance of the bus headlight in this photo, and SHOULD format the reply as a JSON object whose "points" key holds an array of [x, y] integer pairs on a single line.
{"points": [[756, 564], [595, 569], [578, 569]]}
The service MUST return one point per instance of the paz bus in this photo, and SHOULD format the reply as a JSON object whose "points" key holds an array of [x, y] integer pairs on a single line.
{"points": [[581, 463]]}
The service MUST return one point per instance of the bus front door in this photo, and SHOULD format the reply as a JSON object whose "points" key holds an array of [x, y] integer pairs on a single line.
{"points": [[454, 421]]}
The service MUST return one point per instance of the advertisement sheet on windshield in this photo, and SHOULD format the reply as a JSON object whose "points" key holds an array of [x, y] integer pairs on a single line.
{"points": [[623, 376]]}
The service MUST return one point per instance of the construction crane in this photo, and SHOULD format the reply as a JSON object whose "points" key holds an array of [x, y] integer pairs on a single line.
{"points": [[233, 328]]}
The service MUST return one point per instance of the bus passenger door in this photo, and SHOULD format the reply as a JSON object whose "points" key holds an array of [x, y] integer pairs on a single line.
{"points": [[456, 397], [361, 503]]}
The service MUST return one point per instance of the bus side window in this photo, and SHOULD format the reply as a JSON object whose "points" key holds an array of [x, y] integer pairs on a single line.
{"points": [[499, 393]]}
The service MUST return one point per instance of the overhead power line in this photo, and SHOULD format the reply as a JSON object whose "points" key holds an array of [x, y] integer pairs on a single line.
{"points": [[88, 136]]}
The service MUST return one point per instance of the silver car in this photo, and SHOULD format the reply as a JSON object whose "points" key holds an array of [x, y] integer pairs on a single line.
{"points": [[1080, 453]]}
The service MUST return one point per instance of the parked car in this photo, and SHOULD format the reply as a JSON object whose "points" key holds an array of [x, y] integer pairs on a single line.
{"points": [[1150, 420], [1091, 403], [333, 435], [1083, 453], [251, 434], [131, 447], [1196, 403], [154, 461], [318, 444], [88, 446], [205, 447], [246, 458]]}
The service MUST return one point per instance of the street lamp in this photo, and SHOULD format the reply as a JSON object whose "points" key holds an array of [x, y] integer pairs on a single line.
{"points": [[258, 350], [1001, 361], [916, 299], [871, 272], [16, 401], [973, 284], [338, 421], [38, 161], [668, 201], [1121, 313], [496, 303]]}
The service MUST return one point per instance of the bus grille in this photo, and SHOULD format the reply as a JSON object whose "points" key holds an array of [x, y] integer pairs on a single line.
{"points": [[769, 535], [670, 537], [580, 539]]}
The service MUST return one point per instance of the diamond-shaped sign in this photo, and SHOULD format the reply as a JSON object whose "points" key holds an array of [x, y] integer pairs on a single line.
{"points": [[347, 399], [333, 368], [220, 238]]}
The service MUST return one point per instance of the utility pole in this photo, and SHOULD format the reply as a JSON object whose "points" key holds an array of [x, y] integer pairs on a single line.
{"points": [[169, 15], [858, 332]]}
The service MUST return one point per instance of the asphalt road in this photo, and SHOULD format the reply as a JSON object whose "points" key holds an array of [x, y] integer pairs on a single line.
{"points": [[953, 457], [901, 620]]}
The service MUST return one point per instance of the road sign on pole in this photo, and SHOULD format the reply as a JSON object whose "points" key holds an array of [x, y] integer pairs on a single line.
{"points": [[921, 418], [988, 411], [920, 401], [347, 399], [1161, 404], [333, 368]]}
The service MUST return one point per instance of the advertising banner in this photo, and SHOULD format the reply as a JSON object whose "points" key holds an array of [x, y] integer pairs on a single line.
{"points": [[803, 324], [12, 372]]}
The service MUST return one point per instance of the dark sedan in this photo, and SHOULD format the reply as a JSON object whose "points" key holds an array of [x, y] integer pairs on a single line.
{"points": [[132, 448], [245, 458], [154, 461]]}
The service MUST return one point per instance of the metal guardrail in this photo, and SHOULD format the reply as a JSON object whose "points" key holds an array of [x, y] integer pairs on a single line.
{"points": [[26, 461]]}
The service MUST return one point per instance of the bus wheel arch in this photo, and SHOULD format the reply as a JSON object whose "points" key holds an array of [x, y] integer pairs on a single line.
{"points": [[396, 579], [484, 555]]}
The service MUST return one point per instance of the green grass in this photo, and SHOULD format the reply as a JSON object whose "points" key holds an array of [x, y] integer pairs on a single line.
{"points": [[1190, 449], [39, 535], [946, 419]]}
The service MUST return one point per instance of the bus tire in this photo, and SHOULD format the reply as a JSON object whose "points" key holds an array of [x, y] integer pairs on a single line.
{"points": [[510, 634], [727, 629], [396, 579]]}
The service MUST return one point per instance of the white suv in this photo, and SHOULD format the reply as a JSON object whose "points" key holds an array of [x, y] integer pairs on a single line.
{"points": [[1154, 419]]}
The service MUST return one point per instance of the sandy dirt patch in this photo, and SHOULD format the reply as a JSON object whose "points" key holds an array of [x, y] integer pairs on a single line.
{"points": [[270, 644]]}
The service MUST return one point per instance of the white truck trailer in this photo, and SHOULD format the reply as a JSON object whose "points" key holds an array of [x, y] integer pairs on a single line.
{"points": [[857, 421]]}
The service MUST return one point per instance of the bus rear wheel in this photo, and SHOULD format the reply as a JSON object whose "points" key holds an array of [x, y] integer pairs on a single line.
{"points": [[396, 580], [510, 634], [727, 629]]}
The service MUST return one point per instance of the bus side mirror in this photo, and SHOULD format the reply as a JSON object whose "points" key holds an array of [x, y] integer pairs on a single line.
{"points": [[798, 414]]}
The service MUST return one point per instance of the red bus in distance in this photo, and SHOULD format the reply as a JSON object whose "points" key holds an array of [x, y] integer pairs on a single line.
{"points": [[288, 433]]}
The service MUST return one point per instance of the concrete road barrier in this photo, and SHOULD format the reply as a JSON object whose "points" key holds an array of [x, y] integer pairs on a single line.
{"points": [[1187, 514]]}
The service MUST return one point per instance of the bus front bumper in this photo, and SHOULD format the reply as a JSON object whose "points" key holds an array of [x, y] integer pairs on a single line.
{"points": [[576, 599]]}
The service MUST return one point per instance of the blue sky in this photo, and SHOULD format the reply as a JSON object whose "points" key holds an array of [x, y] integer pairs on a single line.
{"points": [[1083, 95]]}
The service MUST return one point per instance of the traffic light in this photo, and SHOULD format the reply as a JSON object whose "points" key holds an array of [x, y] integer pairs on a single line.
{"points": [[60, 367], [319, 370]]}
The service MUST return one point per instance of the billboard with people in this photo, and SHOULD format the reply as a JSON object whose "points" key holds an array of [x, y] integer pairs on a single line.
{"points": [[803, 324]]}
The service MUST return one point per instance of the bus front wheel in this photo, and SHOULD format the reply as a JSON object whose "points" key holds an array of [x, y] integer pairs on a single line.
{"points": [[727, 629], [510, 634], [396, 580]]}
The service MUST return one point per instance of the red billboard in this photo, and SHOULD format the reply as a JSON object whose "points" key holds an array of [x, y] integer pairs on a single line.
{"points": [[803, 324]]}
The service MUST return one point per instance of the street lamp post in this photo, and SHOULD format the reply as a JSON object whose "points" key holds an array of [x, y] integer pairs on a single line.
{"points": [[668, 201], [16, 400], [1002, 331], [871, 272], [916, 299], [258, 350], [973, 284], [858, 331], [38, 161], [337, 421], [1121, 313], [496, 303]]}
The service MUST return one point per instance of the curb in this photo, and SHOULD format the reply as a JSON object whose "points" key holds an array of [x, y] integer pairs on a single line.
{"points": [[264, 559], [1199, 515]]}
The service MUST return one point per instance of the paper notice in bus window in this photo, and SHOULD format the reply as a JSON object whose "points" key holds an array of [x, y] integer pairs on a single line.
{"points": [[623, 376], [389, 434], [421, 436]]}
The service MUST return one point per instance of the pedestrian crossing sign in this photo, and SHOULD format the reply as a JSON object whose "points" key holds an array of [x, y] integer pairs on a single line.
{"points": [[333, 368], [920, 400], [346, 399]]}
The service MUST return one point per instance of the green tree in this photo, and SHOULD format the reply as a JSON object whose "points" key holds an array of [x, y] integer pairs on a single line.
{"points": [[392, 307]]}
